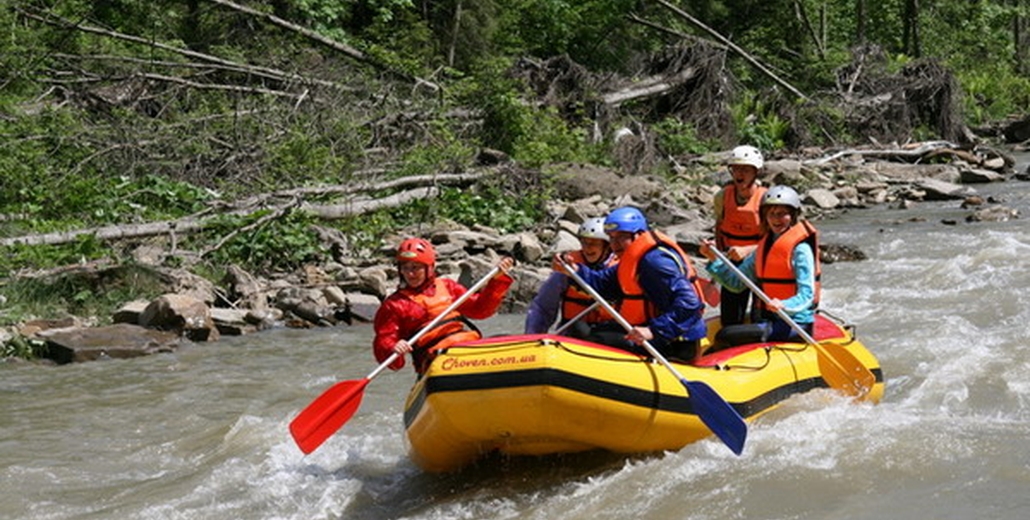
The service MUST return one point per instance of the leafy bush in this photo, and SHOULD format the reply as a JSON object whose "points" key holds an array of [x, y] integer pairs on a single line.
{"points": [[676, 137], [86, 292], [758, 124], [280, 244]]}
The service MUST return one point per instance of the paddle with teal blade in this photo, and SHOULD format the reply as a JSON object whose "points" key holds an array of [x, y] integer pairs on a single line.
{"points": [[839, 368], [717, 414], [331, 410]]}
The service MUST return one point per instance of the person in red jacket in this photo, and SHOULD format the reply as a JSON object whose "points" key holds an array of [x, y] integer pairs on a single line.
{"points": [[421, 297]]}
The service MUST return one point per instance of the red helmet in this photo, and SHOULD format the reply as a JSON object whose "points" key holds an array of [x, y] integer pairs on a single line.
{"points": [[416, 250]]}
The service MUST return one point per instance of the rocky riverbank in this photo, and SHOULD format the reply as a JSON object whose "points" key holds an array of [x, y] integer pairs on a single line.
{"points": [[348, 291]]}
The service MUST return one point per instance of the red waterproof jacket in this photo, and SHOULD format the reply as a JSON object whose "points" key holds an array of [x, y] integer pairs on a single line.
{"points": [[404, 313]]}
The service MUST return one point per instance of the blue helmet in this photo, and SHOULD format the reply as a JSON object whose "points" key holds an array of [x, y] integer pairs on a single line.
{"points": [[627, 219]]}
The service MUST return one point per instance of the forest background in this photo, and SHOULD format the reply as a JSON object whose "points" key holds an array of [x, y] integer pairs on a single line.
{"points": [[133, 112]]}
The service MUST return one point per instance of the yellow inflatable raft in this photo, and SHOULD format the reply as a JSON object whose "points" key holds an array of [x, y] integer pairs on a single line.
{"points": [[547, 394]]}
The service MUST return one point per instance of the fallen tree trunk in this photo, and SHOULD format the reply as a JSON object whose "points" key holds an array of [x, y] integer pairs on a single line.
{"points": [[338, 211], [57, 21], [908, 153], [649, 87], [206, 218]]}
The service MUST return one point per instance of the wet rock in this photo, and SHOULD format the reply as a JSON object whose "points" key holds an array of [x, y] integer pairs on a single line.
{"points": [[830, 253], [979, 176], [35, 327], [357, 308], [130, 312], [993, 214], [972, 201], [822, 198], [940, 190], [181, 314], [232, 322], [117, 341], [244, 289]]}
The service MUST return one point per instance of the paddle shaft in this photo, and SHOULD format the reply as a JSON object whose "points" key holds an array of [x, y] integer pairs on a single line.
{"points": [[577, 317], [435, 321], [618, 317]]}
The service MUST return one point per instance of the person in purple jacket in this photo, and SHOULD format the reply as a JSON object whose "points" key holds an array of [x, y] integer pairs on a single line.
{"points": [[559, 297]]}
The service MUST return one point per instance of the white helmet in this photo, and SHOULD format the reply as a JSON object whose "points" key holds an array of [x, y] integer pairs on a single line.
{"points": [[593, 228], [782, 195], [747, 155]]}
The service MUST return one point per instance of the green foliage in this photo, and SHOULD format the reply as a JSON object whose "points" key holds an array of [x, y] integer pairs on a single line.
{"points": [[84, 249], [758, 124], [84, 293], [595, 33], [23, 348], [278, 245], [532, 135], [449, 156], [676, 137], [489, 206], [308, 152], [994, 93]]}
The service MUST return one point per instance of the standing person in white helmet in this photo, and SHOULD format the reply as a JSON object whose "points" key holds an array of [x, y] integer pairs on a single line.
{"points": [[785, 266], [737, 223], [558, 297]]}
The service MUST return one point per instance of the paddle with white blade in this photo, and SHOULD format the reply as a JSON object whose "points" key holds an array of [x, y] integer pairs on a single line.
{"points": [[839, 368], [329, 411], [721, 418]]}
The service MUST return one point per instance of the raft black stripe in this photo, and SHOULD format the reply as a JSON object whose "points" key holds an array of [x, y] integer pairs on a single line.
{"points": [[602, 389]]}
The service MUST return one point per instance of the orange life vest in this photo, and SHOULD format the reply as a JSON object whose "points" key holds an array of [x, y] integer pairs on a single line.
{"points": [[634, 307], [740, 225], [449, 331], [773, 262], [575, 300]]}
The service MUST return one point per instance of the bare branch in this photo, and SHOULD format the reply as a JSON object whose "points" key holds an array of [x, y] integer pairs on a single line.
{"points": [[338, 211], [750, 59], [335, 45], [672, 32], [53, 19]]}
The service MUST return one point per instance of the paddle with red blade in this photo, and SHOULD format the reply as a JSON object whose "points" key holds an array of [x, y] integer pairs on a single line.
{"points": [[839, 368], [329, 411], [710, 292], [721, 418]]}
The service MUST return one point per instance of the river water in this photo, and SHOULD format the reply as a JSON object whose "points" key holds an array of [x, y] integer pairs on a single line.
{"points": [[202, 434]]}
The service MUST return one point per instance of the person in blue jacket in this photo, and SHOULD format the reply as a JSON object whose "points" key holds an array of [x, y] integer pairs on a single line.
{"points": [[558, 296], [656, 286]]}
